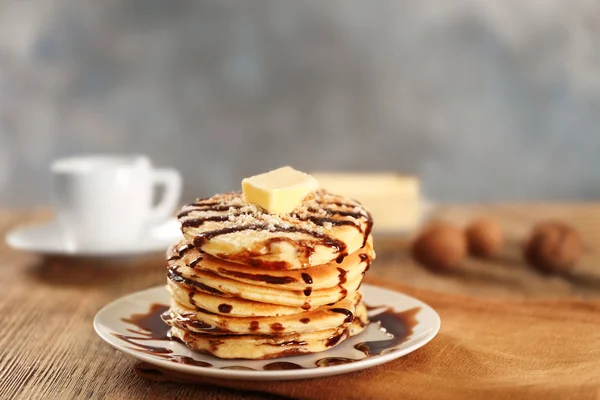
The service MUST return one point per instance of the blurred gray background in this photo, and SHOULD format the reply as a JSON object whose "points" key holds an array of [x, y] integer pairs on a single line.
{"points": [[484, 100]]}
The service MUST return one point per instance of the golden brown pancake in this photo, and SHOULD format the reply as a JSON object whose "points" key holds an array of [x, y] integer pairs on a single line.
{"points": [[322, 229], [323, 276], [259, 347], [210, 283], [252, 302], [325, 317]]}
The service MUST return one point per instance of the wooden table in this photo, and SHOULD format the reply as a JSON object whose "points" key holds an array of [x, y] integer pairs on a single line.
{"points": [[48, 348]]}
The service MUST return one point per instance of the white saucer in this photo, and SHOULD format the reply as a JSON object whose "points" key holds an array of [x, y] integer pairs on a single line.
{"points": [[131, 339], [47, 239]]}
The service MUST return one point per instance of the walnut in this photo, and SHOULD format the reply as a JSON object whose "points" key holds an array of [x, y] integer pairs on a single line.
{"points": [[553, 246], [484, 237], [440, 246]]}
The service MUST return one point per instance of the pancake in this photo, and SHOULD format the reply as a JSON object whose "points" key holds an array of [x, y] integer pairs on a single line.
{"points": [[239, 307], [323, 228], [210, 283], [326, 317], [319, 277], [217, 294], [361, 319], [260, 347]]}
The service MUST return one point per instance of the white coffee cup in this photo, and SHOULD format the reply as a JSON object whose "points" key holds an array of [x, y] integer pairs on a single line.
{"points": [[105, 201]]}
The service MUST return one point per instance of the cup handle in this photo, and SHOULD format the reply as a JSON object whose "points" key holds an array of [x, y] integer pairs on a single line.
{"points": [[171, 180]]}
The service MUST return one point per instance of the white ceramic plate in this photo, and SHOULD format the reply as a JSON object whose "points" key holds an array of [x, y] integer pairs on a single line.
{"points": [[47, 239], [425, 324]]}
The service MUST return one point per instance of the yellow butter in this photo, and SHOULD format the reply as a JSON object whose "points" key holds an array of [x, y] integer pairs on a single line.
{"points": [[279, 191]]}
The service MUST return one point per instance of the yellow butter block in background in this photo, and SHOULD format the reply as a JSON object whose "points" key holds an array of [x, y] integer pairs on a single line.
{"points": [[279, 191], [393, 200]]}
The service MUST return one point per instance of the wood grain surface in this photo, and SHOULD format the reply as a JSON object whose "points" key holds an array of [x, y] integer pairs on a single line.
{"points": [[48, 348]]}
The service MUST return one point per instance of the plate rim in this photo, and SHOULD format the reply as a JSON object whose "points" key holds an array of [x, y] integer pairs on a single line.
{"points": [[295, 374]]}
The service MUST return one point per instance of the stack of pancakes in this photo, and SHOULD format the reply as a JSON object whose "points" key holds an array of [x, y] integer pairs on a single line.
{"points": [[248, 284]]}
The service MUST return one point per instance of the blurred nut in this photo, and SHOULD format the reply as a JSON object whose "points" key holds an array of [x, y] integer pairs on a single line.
{"points": [[440, 246], [485, 237], [553, 246]]}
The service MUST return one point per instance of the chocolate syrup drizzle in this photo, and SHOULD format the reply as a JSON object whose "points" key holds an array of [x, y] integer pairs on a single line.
{"points": [[307, 278], [174, 275], [225, 308], [349, 315], [184, 249], [187, 321], [274, 280], [194, 262], [342, 280], [335, 339], [277, 327]]}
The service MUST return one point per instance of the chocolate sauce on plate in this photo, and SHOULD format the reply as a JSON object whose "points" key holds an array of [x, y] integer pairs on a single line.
{"points": [[331, 361], [333, 340], [189, 361], [398, 325], [151, 323], [281, 366], [152, 327]]}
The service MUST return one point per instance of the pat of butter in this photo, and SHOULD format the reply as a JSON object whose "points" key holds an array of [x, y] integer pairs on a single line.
{"points": [[279, 191]]}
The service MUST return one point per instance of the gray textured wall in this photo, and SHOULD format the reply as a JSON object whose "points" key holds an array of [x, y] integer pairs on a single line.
{"points": [[485, 100]]}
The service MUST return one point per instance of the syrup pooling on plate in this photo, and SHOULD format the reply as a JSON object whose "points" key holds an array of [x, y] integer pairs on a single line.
{"points": [[150, 323], [281, 366], [399, 325], [150, 326]]}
